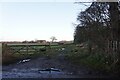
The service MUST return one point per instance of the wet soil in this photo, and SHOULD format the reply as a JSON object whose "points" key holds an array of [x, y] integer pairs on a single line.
{"points": [[31, 69]]}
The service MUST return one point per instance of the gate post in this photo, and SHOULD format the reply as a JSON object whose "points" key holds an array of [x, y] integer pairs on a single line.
{"points": [[27, 48], [0, 60]]}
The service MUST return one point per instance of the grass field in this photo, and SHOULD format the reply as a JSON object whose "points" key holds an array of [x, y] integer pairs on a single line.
{"points": [[21, 52]]}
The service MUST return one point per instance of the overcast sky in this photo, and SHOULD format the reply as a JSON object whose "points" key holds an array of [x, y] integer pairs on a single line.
{"points": [[21, 21]]}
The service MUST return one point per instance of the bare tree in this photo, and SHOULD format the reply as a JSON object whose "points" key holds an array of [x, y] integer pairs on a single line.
{"points": [[53, 38]]}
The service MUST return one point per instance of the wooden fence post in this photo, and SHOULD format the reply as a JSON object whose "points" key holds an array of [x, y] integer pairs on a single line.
{"points": [[27, 48]]}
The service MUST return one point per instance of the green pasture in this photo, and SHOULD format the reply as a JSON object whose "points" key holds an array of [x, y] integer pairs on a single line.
{"points": [[21, 52]]}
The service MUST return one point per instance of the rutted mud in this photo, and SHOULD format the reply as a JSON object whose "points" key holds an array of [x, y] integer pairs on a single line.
{"points": [[32, 69]]}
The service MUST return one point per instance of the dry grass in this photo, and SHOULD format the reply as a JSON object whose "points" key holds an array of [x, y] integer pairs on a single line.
{"points": [[7, 56]]}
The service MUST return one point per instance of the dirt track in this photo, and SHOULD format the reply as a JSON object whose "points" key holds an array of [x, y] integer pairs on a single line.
{"points": [[31, 69]]}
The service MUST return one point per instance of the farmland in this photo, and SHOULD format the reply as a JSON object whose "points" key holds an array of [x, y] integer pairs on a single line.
{"points": [[25, 50], [59, 54]]}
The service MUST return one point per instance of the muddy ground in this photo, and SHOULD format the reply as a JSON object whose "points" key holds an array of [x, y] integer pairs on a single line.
{"points": [[31, 69]]}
